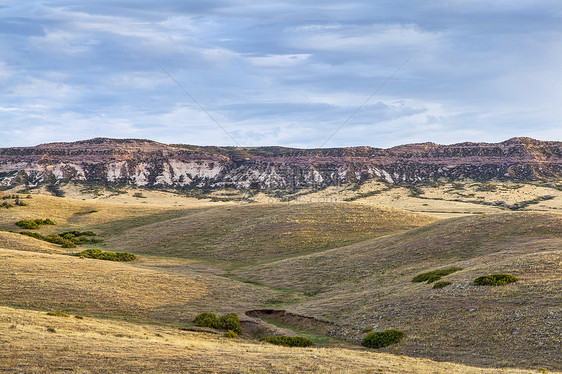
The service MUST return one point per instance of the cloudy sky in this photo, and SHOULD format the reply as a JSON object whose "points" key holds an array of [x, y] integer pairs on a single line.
{"points": [[294, 73]]}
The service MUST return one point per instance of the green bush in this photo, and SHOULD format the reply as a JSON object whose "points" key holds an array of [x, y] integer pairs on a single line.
{"points": [[441, 284], [33, 235], [495, 280], [44, 222], [27, 224], [230, 334], [68, 244], [57, 314], [435, 275], [226, 322], [289, 341], [109, 256], [207, 320], [381, 339], [33, 224], [56, 239]]}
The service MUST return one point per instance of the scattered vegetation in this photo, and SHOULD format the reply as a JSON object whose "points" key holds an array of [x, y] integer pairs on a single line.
{"points": [[57, 314], [109, 256], [17, 201], [441, 284], [289, 341], [381, 339], [34, 224], [51, 329], [227, 322], [495, 280], [139, 195], [67, 239], [435, 275]]}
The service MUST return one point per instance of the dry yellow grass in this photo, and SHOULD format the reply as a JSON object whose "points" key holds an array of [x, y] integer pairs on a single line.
{"points": [[369, 284], [257, 232], [299, 247], [444, 200], [91, 346], [94, 287]]}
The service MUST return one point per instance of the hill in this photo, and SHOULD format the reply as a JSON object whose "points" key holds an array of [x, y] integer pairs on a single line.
{"points": [[368, 285], [240, 234], [330, 272]]}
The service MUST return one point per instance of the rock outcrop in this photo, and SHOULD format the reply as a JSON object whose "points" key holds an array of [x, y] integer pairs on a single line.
{"points": [[150, 164]]}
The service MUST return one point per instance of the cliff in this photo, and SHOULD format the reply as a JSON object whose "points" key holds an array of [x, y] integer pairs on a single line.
{"points": [[151, 164]]}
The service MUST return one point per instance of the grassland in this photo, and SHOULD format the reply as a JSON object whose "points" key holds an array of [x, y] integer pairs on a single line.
{"points": [[93, 345], [232, 234], [348, 265]]}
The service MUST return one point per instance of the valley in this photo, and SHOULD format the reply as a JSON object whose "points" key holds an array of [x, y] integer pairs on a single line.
{"points": [[335, 271]]}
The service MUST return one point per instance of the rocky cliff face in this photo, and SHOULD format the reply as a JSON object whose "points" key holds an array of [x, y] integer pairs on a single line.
{"points": [[151, 164]]}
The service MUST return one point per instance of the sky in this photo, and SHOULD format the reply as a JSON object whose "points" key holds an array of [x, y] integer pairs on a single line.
{"points": [[307, 74]]}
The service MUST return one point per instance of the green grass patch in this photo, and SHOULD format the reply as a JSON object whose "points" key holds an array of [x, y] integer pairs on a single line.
{"points": [[434, 275], [109, 256], [289, 341], [381, 339], [495, 280]]}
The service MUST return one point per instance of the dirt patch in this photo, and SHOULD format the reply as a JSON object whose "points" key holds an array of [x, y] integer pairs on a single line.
{"points": [[300, 322]]}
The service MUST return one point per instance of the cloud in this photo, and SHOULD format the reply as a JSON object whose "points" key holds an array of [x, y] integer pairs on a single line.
{"points": [[281, 72]]}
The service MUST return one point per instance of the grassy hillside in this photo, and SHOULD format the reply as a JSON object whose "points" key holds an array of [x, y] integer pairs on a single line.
{"points": [[65, 283], [368, 285], [253, 233], [433, 245], [347, 265], [95, 345]]}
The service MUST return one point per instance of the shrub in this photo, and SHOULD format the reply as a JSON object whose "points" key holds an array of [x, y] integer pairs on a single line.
{"points": [[44, 222], [56, 239], [34, 224], [289, 341], [57, 314], [441, 284], [231, 322], [226, 322], [230, 334], [495, 280], [207, 320], [68, 244], [435, 275], [35, 235], [381, 339], [51, 329], [109, 256], [27, 224]]}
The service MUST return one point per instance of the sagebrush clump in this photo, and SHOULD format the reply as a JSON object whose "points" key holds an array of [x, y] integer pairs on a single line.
{"points": [[289, 341], [441, 284], [33, 224], [230, 334], [381, 339], [226, 322], [435, 275], [109, 256], [495, 280], [58, 314]]}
